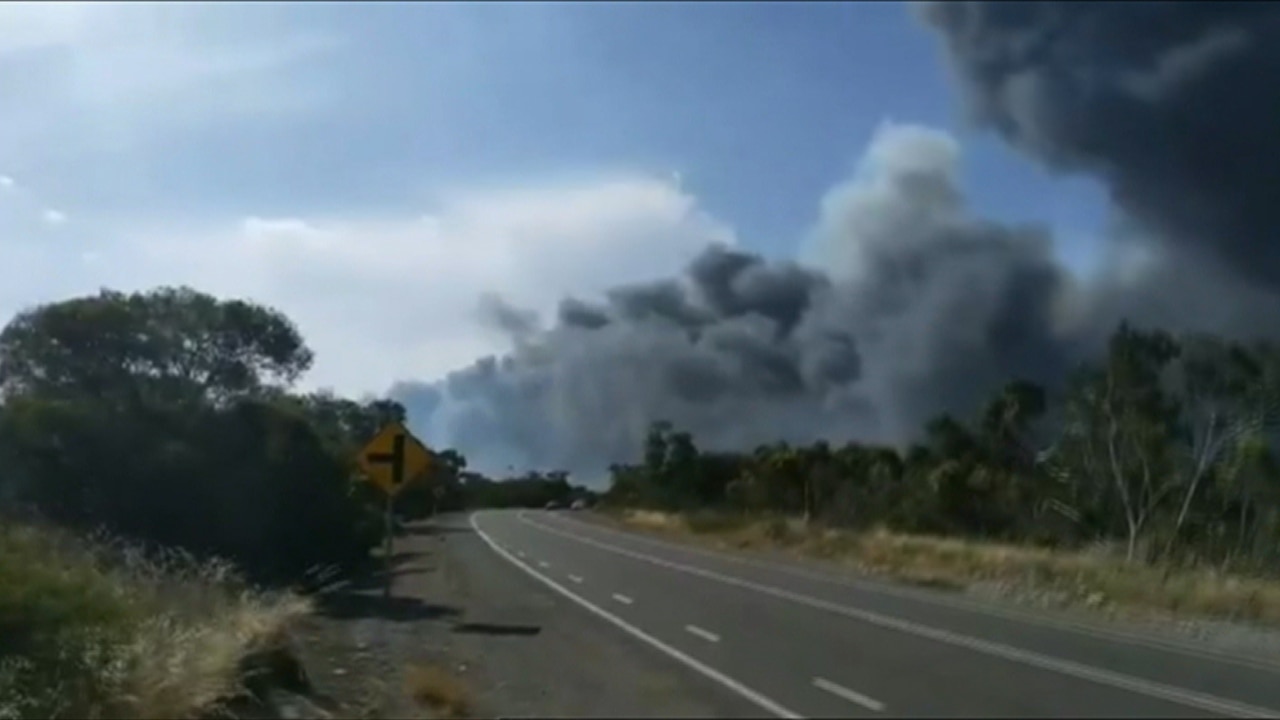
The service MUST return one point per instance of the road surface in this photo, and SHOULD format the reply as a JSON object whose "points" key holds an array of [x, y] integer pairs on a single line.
{"points": [[785, 643]]}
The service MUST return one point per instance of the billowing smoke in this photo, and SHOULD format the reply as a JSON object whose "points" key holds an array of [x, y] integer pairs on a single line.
{"points": [[906, 304], [1173, 105]]}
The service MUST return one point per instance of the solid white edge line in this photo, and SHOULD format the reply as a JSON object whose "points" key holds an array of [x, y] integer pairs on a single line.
{"points": [[707, 671], [852, 696], [887, 588], [704, 634], [622, 599], [1149, 688]]}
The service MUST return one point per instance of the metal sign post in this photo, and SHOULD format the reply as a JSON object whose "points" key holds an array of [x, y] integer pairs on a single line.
{"points": [[389, 531]]}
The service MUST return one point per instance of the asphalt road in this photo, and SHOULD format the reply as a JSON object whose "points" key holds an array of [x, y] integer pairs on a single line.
{"points": [[532, 652], [797, 643]]}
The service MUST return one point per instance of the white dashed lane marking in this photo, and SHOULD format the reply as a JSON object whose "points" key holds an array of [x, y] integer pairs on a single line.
{"points": [[1190, 698], [761, 701], [622, 599], [704, 634], [843, 692]]}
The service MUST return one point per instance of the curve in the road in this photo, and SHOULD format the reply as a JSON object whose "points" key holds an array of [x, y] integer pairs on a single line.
{"points": [[760, 700], [1189, 698], [1087, 629]]}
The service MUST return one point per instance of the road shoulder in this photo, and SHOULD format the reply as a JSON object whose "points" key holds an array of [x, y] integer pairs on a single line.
{"points": [[512, 646], [1246, 643]]}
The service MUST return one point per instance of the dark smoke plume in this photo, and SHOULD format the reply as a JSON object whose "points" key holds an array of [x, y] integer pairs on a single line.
{"points": [[1174, 105], [907, 304]]}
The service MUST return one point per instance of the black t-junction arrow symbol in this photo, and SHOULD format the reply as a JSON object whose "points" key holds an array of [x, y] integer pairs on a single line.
{"points": [[395, 459]]}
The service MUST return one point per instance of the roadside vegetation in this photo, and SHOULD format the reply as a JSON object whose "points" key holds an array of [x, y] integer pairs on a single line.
{"points": [[100, 629], [1147, 481], [166, 420], [437, 690], [169, 502]]}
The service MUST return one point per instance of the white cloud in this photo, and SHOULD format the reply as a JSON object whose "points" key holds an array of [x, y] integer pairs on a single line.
{"points": [[36, 25], [96, 96], [23, 211], [90, 75], [384, 298]]}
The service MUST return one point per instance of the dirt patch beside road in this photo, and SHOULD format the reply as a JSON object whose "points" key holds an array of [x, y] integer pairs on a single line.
{"points": [[366, 654], [465, 634]]}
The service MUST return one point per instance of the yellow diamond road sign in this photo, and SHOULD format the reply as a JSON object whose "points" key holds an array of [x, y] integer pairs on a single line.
{"points": [[393, 458]]}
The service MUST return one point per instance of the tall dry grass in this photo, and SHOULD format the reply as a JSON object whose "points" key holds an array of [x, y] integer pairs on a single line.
{"points": [[99, 629], [438, 691], [1095, 578]]}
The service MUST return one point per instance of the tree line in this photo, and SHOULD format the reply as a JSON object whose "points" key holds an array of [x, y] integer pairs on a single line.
{"points": [[1164, 447], [168, 417]]}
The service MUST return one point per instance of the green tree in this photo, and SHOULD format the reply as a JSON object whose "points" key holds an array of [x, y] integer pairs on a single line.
{"points": [[169, 344], [1120, 424], [165, 416], [682, 471]]}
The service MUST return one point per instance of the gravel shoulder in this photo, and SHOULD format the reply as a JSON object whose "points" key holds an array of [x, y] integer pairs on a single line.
{"points": [[358, 646]]}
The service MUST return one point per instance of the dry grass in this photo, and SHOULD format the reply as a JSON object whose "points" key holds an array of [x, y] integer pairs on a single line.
{"points": [[1097, 579], [97, 629], [438, 690]]}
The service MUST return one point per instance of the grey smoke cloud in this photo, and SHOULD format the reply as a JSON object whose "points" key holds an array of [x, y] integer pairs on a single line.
{"points": [[906, 303], [515, 322]]}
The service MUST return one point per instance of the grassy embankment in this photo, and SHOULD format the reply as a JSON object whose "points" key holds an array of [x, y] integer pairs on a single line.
{"points": [[1098, 579], [97, 630]]}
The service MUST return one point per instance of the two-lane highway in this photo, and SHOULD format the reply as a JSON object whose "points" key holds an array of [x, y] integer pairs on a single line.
{"points": [[802, 644]]}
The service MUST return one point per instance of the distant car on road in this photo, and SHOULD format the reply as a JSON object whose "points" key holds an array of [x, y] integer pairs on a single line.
{"points": [[578, 504]]}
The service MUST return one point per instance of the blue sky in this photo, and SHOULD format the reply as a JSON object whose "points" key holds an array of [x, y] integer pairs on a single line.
{"points": [[372, 169]]}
